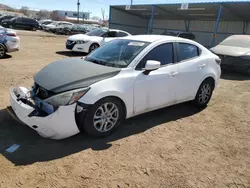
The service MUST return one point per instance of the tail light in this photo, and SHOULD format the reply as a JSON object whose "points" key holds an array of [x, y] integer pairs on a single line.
{"points": [[218, 61], [11, 34]]}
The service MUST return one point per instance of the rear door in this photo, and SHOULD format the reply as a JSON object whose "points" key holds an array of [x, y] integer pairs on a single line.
{"points": [[110, 35], [192, 69], [121, 34], [25, 23], [19, 23]]}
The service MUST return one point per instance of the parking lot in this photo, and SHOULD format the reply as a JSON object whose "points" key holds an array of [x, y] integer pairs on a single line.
{"points": [[178, 146]]}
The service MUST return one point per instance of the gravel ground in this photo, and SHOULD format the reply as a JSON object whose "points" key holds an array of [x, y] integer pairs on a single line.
{"points": [[177, 146]]}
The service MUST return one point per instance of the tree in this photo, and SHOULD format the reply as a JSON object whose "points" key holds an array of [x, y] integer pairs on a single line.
{"points": [[43, 14], [25, 10]]}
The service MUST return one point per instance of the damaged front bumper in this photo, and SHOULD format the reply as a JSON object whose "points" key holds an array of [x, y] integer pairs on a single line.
{"points": [[58, 125]]}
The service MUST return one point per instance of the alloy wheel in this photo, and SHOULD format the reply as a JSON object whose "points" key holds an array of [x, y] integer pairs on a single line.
{"points": [[205, 93], [93, 47], [106, 117]]}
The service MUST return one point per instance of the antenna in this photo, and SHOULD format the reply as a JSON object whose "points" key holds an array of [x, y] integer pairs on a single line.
{"points": [[78, 7]]}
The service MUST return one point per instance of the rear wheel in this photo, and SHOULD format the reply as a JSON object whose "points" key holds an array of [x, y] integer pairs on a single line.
{"points": [[104, 117], [204, 93], [2, 51], [93, 47]]}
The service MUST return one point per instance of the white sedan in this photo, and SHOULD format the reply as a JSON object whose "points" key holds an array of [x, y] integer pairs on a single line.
{"points": [[124, 78], [9, 41], [93, 39]]}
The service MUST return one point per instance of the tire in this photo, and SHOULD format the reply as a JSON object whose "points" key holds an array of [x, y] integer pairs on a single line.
{"points": [[2, 51], [204, 93], [33, 28], [93, 47], [67, 32], [98, 122]]}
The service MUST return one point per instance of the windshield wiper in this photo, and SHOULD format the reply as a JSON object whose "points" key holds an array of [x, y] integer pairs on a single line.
{"points": [[97, 61]]}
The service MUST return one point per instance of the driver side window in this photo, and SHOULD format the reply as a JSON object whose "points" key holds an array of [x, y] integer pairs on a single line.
{"points": [[163, 53]]}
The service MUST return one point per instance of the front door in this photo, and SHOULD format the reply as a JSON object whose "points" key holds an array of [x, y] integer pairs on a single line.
{"points": [[158, 88]]}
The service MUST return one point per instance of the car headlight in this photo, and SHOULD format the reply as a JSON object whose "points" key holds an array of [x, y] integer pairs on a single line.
{"points": [[67, 98], [81, 42]]}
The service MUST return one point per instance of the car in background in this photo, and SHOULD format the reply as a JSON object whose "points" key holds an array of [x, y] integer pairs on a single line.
{"points": [[73, 30], [52, 27], [21, 23], [94, 39], [234, 52], [64, 29], [42, 23], [78, 29], [9, 41], [182, 34], [6, 17], [122, 79]]}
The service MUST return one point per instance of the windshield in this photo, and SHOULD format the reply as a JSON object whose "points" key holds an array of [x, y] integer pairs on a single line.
{"points": [[242, 41], [117, 53], [97, 32], [53, 23]]}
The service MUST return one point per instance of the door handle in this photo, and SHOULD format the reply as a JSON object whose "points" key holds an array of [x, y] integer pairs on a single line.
{"points": [[172, 74], [202, 66]]}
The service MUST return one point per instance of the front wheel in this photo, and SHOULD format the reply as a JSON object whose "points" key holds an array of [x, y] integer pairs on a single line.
{"points": [[93, 47], [104, 117], [204, 93]]}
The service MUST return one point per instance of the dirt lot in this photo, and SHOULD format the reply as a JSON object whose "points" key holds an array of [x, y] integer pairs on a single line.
{"points": [[173, 147]]}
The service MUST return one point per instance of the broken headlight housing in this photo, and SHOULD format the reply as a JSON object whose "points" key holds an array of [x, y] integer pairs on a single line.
{"points": [[67, 98]]}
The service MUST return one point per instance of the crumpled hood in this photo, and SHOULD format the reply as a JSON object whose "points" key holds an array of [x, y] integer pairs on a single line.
{"points": [[230, 50], [72, 73], [83, 37]]}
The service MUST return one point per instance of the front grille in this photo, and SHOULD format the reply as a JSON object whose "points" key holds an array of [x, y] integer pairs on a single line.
{"points": [[70, 44]]}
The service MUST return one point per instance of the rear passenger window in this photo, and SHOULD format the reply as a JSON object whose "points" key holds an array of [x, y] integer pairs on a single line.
{"points": [[187, 51], [122, 34], [162, 53]]}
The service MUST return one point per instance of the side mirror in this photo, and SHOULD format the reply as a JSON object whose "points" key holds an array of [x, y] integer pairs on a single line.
{"points": [[151, 65]]}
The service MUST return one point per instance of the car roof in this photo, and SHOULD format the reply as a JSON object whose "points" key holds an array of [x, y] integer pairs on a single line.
{"points": [[117, 30], [152, 38]]}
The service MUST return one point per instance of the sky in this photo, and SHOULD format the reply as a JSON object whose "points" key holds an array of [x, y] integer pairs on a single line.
{"points": [[93, 6]]}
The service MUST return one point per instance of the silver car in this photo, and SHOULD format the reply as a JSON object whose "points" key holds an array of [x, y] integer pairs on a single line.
{"points": [[9, 41]]}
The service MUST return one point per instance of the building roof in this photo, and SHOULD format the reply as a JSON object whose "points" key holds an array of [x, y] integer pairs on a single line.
{"points": [[197, 10], [150, 38], [169, 2]]}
